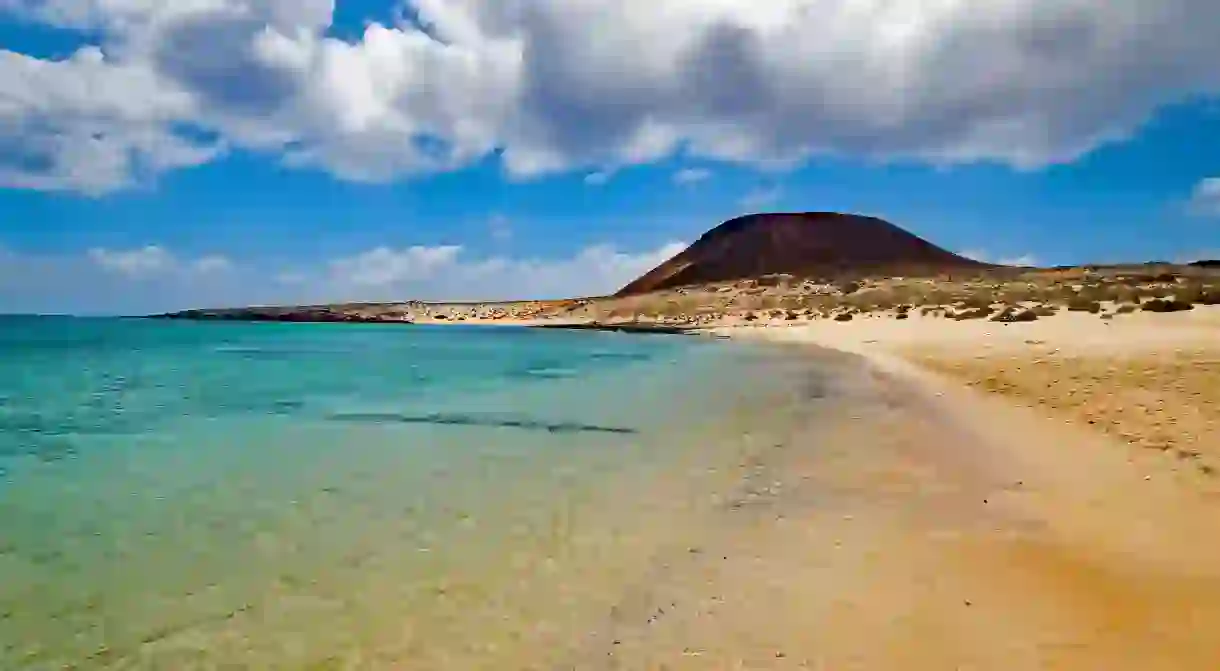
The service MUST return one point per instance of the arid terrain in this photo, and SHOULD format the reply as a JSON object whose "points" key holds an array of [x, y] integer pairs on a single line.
{"points": [[802, 267], [999, 294]]}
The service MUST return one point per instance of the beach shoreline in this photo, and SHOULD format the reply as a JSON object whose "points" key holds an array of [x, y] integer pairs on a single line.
{"points": [[915, 493], [975, 499]]}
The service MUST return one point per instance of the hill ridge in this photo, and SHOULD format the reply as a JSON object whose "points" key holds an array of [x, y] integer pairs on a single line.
{"points": [[807, 244]]}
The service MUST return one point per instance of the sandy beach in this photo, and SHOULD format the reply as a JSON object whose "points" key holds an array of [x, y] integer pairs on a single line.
{"points": [[1149, 380], [1010, 473], [1025, 496]]}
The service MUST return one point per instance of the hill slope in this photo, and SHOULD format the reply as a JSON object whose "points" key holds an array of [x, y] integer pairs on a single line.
{"points": [[806, 244]]}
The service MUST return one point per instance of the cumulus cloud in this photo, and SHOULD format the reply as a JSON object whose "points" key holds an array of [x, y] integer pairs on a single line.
{"points": [[499, 228], [89, 123], [552, 85], [986, 257], [213, 264], [688, 176], [761, 198], [123, 281], [598, 178], [153, 278], [1205, 199], [448, 272], [136, 262], [1024, 260], [384, 266], [154, 260]]}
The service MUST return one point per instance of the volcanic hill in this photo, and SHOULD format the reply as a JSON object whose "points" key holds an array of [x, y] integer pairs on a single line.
{"points": [[805, 244]]}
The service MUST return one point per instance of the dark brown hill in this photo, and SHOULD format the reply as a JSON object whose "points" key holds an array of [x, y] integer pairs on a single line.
{"points": [[808, 244]]}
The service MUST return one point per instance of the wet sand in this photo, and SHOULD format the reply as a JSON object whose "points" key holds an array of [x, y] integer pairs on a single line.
{"points": [[921, 524]]}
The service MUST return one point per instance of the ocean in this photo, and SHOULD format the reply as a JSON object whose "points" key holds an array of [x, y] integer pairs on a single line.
{"points": [[199, 495]]}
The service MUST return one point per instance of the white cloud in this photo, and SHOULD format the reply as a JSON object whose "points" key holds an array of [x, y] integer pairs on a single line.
{"points": [[598, 178], [89, 123], [499, 227], [1205, 199], [593, 271], [692, 175], [556, 84], [986, 257], [761, 198], [447, 272], [104, 281], [384, 266], [155, 261], [1025, 260], [154, 279], [141, 262], [212, 264], [1195, 255]]}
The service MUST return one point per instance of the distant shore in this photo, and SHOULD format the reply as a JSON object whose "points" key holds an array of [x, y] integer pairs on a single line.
{"points": [[1007, 295]]}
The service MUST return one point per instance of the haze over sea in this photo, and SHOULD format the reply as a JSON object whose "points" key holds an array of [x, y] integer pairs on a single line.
{"points": [[192, 495]]}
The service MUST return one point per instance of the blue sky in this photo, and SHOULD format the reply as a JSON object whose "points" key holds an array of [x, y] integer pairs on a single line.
{"points": [[169, 155]]}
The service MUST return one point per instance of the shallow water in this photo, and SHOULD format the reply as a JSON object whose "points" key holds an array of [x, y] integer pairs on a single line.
{"points": [[203, 495]]}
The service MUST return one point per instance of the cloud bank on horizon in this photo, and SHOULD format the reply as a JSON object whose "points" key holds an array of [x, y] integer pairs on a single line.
{"points": [[153, 278], [595, 85]]}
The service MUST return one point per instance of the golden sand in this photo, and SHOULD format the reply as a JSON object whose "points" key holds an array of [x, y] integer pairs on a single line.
{"points": [[1165, 401], [985, 526]]}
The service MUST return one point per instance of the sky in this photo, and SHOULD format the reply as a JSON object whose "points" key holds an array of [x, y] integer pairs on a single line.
{"points": [[159, 155]]}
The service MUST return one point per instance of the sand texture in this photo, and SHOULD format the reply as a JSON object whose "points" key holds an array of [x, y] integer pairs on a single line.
{"points": [[918, 525], [1167, 402], [1056, 512]]}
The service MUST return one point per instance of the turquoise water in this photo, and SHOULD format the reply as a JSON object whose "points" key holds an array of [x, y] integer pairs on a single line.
{"points": [[220, 495]]}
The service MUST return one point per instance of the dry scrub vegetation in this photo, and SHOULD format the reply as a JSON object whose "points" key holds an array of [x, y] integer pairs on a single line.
{"points": [[1005, 295], [1000, 294]]}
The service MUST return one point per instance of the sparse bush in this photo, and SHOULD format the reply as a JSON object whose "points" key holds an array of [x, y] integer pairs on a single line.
{"points": [[937, 297], [1201, 295], [973, 313], [1012, 315], [1018, 294], [1044, 310], [1080, 304], [1126, 309], [871, 301], [844, 317], [1097, 293], [1167, 305], [848, 288], [974, 302]]}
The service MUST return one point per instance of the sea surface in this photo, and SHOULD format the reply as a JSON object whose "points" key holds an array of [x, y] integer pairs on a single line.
{"points": [[178, 495]]}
